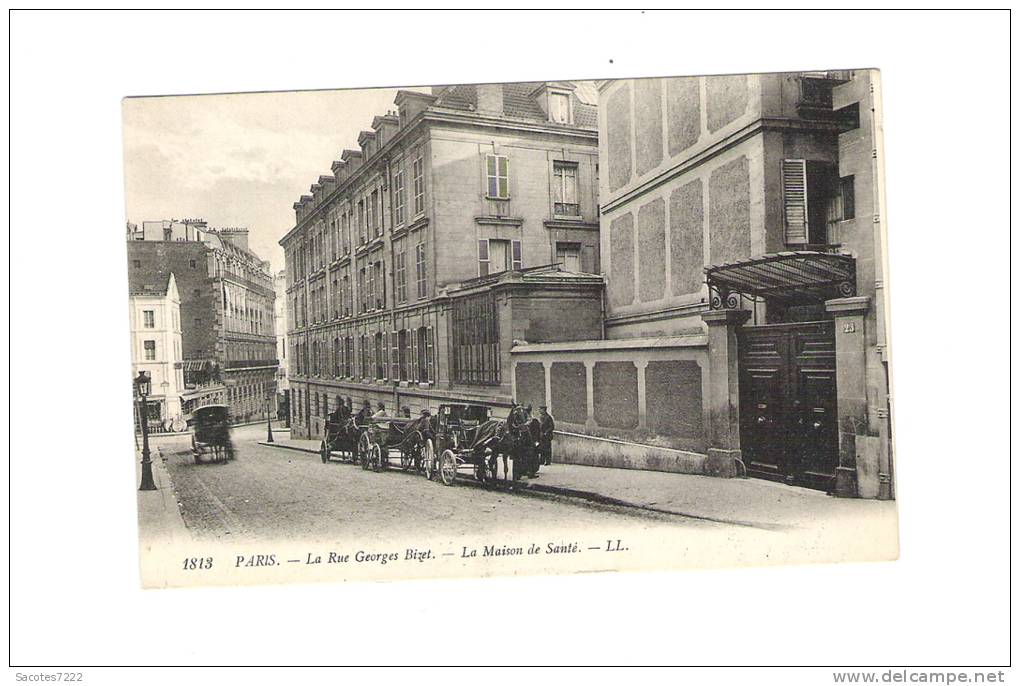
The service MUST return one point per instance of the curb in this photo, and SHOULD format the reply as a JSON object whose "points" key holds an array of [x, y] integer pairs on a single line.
{"points": [[274, 444], [594, 497], [590, 496]]}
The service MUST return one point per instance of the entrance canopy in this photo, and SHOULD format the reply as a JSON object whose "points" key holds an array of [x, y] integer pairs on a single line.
{"points": [[793, 277]]}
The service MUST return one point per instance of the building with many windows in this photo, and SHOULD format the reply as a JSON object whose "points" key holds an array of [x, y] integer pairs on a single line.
{"points": [[155, 314], [280, 313], [461, 207], [745, 322], [227, 311]]}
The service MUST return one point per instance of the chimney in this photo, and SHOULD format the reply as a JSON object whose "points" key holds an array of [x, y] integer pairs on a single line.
{"points": [[236, 236], [490, 98]]}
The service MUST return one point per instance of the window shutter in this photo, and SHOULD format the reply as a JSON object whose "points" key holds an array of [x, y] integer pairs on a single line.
{"points": [[394, 356], [430, 355], [517, 255], [412, 340], [795, 201], [483, 257], [504, 177]]}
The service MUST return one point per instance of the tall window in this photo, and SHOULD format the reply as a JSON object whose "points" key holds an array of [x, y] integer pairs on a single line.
{"points": [[559, 108], [379, 286], [475, 340], [419, 265], [362, 228], [364, 356], [497, 170], [810, 188], [376, 229], [565, 189], [398, 198], [426, 369], [403, 355], [418, 172], [496, 256], [380, 359], [569, 255], [372, 286], [149, 317], [362, 290], [150, 350], [400, 271], [846, 198]]}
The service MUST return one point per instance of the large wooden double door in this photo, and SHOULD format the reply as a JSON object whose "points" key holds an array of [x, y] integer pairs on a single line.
{"points": [[788, 421]]}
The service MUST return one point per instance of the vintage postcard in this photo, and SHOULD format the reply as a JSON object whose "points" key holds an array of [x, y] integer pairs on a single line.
{"points": [[509, 328]]}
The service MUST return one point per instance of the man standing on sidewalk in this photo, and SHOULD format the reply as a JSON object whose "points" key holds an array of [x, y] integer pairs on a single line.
{"points": [[548, 426]]}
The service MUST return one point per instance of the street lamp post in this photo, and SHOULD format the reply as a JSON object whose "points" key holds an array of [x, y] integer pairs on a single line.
{"points": [[269, 421], [142, 386]]}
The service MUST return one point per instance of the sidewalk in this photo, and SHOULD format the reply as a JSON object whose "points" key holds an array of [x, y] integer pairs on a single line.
{"points": [[746, 502], [159, 517]]}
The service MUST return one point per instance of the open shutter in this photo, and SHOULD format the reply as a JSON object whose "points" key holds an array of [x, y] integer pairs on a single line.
{"points": [[394, 356], [795, 201], [412, 345], [430, 355], [483, 257], [504, 176], [517, 260]]}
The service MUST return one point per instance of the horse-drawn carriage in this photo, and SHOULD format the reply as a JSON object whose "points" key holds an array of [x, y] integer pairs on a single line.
{"points": [[210, 436], [368, 441], [467, 437], [340, 439]]}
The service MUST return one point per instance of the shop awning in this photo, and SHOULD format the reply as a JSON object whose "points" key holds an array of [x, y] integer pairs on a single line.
{"points": [[196, 365], [191, 394], [794, 277]]}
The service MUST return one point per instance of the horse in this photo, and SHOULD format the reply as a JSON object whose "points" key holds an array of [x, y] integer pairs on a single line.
{"points": [[517, 436]]}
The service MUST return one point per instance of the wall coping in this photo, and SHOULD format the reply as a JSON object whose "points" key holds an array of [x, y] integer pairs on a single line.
{"points": [[853, 305], [688, 453], [691, 341]]}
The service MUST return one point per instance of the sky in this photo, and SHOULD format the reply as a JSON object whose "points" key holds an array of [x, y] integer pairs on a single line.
{"points": [[239, 159]]}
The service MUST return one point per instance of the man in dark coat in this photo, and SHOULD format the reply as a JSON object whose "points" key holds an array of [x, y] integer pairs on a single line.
{"points": [[548, 426]]}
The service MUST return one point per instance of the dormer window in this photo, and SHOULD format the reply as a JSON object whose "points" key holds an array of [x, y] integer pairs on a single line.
{"points": [[559, 107]]}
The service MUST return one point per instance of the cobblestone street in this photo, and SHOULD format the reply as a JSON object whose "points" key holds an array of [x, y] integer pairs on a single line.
{"points": [[274, 493]]}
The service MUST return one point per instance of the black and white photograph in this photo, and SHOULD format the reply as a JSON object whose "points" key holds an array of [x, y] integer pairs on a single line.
{"points": [[345, 344], [503, 328]]}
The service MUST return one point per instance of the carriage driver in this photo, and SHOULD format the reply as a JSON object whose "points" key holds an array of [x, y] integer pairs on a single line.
{"points": [[341, 413], [365, 412], [548, 426]]}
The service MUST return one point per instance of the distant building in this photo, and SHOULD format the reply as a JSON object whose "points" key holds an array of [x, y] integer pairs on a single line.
{"points": [[227, 311], [155, 314], [742, 245], [405, 263], [280, 310]]}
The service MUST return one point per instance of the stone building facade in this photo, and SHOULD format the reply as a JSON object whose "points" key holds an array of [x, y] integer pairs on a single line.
{"points": [[742, 248], [227, 311], [156, 348], [391, 266]]}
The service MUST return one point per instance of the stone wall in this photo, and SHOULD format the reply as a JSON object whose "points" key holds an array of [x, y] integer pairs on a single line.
{"points": [[635, 391]]}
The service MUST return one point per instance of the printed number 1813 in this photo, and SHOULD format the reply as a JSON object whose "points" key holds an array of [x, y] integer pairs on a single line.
{"points": [[198, 563]]}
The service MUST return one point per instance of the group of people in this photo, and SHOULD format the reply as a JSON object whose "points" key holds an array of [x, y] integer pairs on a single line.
{"points": [[543, 454], [345, 410]]}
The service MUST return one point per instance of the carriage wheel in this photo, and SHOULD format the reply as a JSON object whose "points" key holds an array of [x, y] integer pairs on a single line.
{"points": [[428, 459], [323, 452], [364, 448], [406, 459], [376, 457], [448, 467]]}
